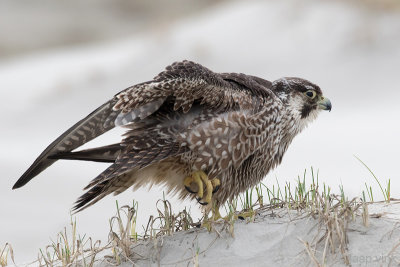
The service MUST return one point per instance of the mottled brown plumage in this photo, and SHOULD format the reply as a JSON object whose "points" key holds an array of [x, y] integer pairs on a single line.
{"points": [[233, 127]]}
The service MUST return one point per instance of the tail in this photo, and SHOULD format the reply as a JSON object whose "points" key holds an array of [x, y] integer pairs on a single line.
{"points": [[117, 178], [96, 123]]}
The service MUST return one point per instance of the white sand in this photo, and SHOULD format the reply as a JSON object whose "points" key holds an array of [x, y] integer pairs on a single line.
{"points": [[274, 240]]}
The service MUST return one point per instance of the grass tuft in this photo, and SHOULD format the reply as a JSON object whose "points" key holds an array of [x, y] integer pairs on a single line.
{"points": [[125, 236], [122, 239], [68, 249], [167, 223]]}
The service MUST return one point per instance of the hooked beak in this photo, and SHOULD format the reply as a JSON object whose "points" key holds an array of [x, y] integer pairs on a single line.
{"points": [[324, 103]]}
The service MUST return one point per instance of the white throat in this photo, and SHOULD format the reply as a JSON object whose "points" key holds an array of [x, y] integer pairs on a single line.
{"points": [[296, 122]]}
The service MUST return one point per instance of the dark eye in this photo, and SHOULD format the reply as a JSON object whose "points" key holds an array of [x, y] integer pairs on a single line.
{"points": [[310, 94]]}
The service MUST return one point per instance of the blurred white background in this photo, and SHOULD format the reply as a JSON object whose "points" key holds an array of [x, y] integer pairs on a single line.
{"points": [[59, 60]]}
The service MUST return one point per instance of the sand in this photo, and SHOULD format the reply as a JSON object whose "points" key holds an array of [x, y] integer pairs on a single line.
{"points": [[276, 238]]}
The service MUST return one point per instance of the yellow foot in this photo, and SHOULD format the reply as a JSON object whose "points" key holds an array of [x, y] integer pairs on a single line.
{"points": [[246, 214], [209, 221], [203, 184]]}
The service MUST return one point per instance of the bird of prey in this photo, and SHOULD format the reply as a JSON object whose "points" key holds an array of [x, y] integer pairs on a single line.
{"points": [[202, 134]]}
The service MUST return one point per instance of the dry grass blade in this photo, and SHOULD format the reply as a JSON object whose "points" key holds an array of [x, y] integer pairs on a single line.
{"points": [[4, 252], [310, 252], [122, 241]]}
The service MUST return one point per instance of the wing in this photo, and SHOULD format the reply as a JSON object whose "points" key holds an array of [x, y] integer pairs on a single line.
{"points": [[96, 123], [183, 82], [100, 154]]}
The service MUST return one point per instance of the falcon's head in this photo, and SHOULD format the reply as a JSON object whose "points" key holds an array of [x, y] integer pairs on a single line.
{"points": [[303, 99]]}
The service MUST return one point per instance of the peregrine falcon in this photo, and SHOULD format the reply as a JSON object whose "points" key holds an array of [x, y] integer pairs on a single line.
{"points": [[202, 134]]}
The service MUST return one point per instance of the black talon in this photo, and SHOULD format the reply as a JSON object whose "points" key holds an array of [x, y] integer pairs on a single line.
{"points": [[201, 203], [216, 189], [240, 217], [190, 190]]}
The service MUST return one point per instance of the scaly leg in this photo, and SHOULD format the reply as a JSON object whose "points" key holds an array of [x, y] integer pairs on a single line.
{"points": [[215, 215]]}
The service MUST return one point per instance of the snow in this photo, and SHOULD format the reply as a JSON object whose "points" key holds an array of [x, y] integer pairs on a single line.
{"points": [[351, 51]]}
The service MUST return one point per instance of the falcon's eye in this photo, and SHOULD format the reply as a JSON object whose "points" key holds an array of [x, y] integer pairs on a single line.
{"points": [[311, 94]]}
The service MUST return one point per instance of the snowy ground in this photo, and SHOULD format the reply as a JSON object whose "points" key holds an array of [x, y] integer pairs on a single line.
{"points": [[275, 239], [351, 51]]}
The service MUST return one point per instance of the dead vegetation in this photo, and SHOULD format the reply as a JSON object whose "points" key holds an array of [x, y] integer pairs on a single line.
{"points": [[70, 250]]}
